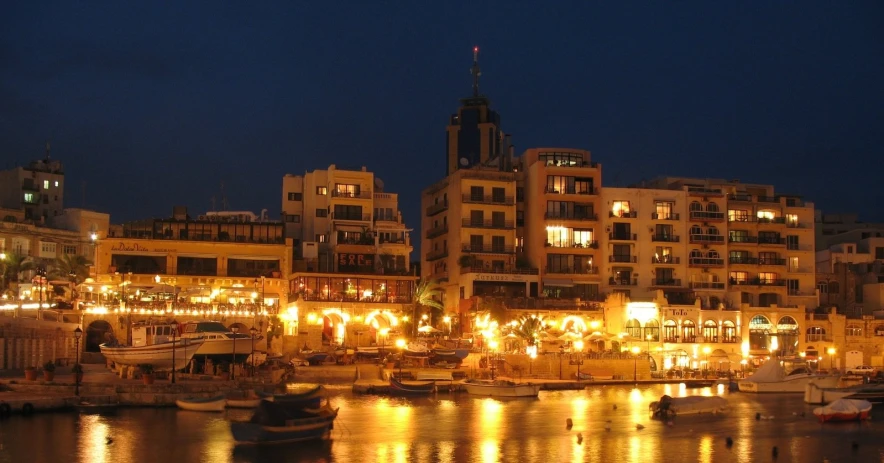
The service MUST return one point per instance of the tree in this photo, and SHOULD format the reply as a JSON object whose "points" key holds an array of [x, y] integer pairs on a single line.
{"points": [[529, 329], [423, 298], [71, 267], [14, 265]]}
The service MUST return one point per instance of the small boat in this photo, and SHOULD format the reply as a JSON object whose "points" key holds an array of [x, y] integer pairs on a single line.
{"points": [[203, 404], [314, 357], [668, 407], [772, 377], [501, 388], [844, 410], [279, 422], [814, 394], [699, 384], [250, 402], [220, 343], [411, 388], [97, 408], [158, 355], [308, 400], [583, 376]]}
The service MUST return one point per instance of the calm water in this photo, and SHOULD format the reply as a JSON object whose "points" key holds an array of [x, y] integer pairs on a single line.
{"points": [[462, 428]]}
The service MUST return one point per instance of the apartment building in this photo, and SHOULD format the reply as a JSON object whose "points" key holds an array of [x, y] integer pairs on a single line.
{"points": [[36, 189]]}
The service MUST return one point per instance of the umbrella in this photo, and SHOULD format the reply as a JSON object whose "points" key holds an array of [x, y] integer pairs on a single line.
{"points": [[598, 336], [627, 338], [570, 336], [428, 329], [546, 336]]}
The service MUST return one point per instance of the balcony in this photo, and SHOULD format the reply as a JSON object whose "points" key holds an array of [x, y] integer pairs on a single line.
{"points": [[758, 282], [436, 255], [772, 220], [352, 217], [771, 241], [622, 259], [489, 199], [387, 241], [489, 249], [707, 216], [494, 224], [743, 260], [797, 225], [532, 303], [571, 270], [670, 282], [437, 208], [706, 262], [612, 281], [570, 191], [615, 236], [771, 261], [624, 214], [665, 238], [700, 191], [569, 216], [580, 165], [669, 216], [741, 218], [709, 285], [437, 231], [665, 260], [706, 239], [569, 245], [767, 199], [742, 239], [741, 197], [362, 194], [505, 270]]}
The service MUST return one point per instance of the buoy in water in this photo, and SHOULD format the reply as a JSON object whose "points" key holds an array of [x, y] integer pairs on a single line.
{"points": [[569, 423], [729, 442], [579, 438]]}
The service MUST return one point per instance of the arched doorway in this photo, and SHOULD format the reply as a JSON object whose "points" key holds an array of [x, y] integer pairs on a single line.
{"points": [[759, 335], [719, 361], [98, 333], [240, 328], [334, 329], [787, 335]]}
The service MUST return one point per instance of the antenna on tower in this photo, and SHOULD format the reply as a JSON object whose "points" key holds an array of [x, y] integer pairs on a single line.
{"points": [[475, 71]]}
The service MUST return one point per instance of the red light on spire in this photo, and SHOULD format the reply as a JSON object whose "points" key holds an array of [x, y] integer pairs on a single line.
{"points": [[475, 48]]}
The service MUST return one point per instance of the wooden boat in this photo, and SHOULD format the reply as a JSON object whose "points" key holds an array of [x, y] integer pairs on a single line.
{"points": [[699, 383], [158, 355], [668, 407], [203, 404], [276, 422], [501, 388], [411, 388], [844, 410], [814, 394], [97, 408], [250, 402], [305, 400]]}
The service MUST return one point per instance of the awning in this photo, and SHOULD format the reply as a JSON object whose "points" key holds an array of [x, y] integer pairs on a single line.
{"points": [[248, 257], [559, 283]]}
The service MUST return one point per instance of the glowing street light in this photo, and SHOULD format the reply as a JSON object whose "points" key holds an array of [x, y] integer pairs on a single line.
{"points": [[831, 352], [706, 366], [635, 351]]}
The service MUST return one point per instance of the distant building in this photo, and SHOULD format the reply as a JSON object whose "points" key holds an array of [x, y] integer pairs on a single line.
{"points": [[833, 229], [36, 189]]}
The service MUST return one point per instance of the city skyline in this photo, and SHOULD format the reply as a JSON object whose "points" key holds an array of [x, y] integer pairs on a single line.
{"points": [[242, 97]]}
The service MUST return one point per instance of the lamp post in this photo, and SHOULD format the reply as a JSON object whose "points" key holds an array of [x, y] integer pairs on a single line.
{"points": [[77, 333], [579, 346], [635, 351], [400, 343], [41, 275], [831, 352], [492, 345], [706, 362], [253, 331], [447, 321], [234, 330]]}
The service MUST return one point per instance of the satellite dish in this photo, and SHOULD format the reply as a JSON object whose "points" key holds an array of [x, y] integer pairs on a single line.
{"points": [[464, 162]]}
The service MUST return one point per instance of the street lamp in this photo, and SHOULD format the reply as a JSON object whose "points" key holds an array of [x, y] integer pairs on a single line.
{"points": [[635, 351], [234, 330], [447, 321], [400, 343], [579, 346], [77, 334], [706, 366], [253, 331], [532, 354], [831, 352]]}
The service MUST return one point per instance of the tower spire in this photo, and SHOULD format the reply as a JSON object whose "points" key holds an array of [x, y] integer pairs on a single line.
{"points": [[475, 71]]}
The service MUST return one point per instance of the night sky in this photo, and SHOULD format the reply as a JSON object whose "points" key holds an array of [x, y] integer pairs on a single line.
{"points": [[155, 106]]}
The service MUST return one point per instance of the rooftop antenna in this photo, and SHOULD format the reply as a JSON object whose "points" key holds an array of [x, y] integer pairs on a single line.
{"points": [[213, 203], [223, 198], [47, 150], [475, 71]]}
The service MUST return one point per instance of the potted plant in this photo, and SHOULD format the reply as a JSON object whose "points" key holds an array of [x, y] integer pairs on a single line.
{"points": [[147, 375], [48, 371], [77, 371], [31, 374]]}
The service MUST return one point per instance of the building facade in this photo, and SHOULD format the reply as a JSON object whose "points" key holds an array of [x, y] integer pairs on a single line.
{"points": [[36, 189]]}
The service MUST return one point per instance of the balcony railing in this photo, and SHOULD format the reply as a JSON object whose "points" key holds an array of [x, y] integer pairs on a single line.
{"points": [[773, 241], [666, 282], [700, 191], [437, 208], [796, 225], [587, 303], [622, 259], [489, 248], [743, 260], [362, 194], [665, 260], [499, 224], [436, 255], [706, 262], [757, 282], [622, 281], [437, 231], [771, 261], [741, 218], [707, 216], [569, 216], [572, 270], [665, 238], [504, 270], [742, 239], [623, 215], [767, 199], [622, 236], [707, 285], [585, 245], [570, 191], [772, 220], [743, 197], [489, 199], [706, 239], [354, 217], [669, 216]]}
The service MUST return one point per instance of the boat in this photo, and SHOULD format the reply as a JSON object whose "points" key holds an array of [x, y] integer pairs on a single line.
{"points": [[501, 388], [668, 407], [97, 408], [247, 402], [220, 343], [699, 383], [307, 400], [203, 404], [398, 387], [583, 376], [772, 377], [844, 410], [279, 422], [314, 357], [158, 355], [814, 394]]}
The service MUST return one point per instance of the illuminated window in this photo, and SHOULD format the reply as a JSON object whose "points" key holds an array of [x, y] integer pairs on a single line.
{"points": [[45, 184], [792, 220], [664, 210], [558, 236], [767, 215], [29, 197], [739, 277], [767, 277], [56, 183], [321, 190], [737, 215], [582, 238], [620, 208]]}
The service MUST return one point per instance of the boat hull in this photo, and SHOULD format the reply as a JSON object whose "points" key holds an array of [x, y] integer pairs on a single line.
{"points": [[158, 355], [798, 384], [814, 394], [503, 390], [668, 407], [214, 404], [844, 410], [399, 388], [315, 428], [222, 347], [245, 403]]}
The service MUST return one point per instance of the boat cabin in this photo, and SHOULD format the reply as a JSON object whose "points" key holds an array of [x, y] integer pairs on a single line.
{"points": [[147, 334]]}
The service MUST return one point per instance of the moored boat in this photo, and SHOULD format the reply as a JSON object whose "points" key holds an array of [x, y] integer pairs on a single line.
{"points": [[695, 384], [501, 388], [158, 355], [246, 403], [279, 422], [203, 404], [814, 394], [668, 407], [398, 387], [772, 377], [309, 399], [844, 410], [220, 342], [98, 408]]}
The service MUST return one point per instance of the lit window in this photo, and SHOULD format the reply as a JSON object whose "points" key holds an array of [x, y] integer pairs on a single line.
{"points": [[769, 215], [56, 183], [620, 208], [45, 184], [792, 220], [29, 197], [321, 190]]}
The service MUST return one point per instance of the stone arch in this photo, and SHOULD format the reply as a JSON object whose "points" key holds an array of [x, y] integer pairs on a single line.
{"points": [[712, 230], [689, 331], [634, 328], [670, 331], [696, 230], [712, 254], [759, 333], [97, 333], [711, 207], [696, 206], [652, 329], [240, 328], [710, 331]]}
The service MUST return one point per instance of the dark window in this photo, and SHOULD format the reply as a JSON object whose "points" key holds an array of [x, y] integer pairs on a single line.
{"points": [[321, 212], [520, 194], [879, 253], [295, 196]]}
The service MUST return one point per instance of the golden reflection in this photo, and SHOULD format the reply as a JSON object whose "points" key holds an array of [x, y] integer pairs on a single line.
{"points": [[446, 450], [490, 451], [217, 445], [577, 453], [490, 425], [400, 452], [706, 449], [635, 449], [95, 441]]}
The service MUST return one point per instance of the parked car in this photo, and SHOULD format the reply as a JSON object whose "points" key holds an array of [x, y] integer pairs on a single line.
{"points": [[861, 370]]}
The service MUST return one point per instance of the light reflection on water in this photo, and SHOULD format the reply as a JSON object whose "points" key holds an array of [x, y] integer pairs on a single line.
{"points": [[462, 428]]}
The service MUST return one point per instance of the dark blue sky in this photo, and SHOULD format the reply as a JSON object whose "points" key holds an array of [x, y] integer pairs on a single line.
{"points": [[153, 106]]}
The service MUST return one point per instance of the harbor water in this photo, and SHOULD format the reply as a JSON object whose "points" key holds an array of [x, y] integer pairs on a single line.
{"points": [[610, 424]]}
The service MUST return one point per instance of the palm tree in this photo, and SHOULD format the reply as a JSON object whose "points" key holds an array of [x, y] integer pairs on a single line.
{"points": [[14, 265], [529, 329], [423, 298], [71, 267]]}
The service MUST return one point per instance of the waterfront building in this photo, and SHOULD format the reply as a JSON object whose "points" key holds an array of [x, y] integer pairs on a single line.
{"points": [[352, 281]]}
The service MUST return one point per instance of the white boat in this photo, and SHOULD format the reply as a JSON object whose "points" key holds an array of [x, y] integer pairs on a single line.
{"points": [[206, 404], [844, 410], [814, 394], [220, 341], [668, 407], [158, 355], [501, 388], [772, 377]]}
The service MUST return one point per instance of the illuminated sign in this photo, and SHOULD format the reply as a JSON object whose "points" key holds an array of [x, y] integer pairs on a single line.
{"points": [[499, 277], [355, 262]]}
